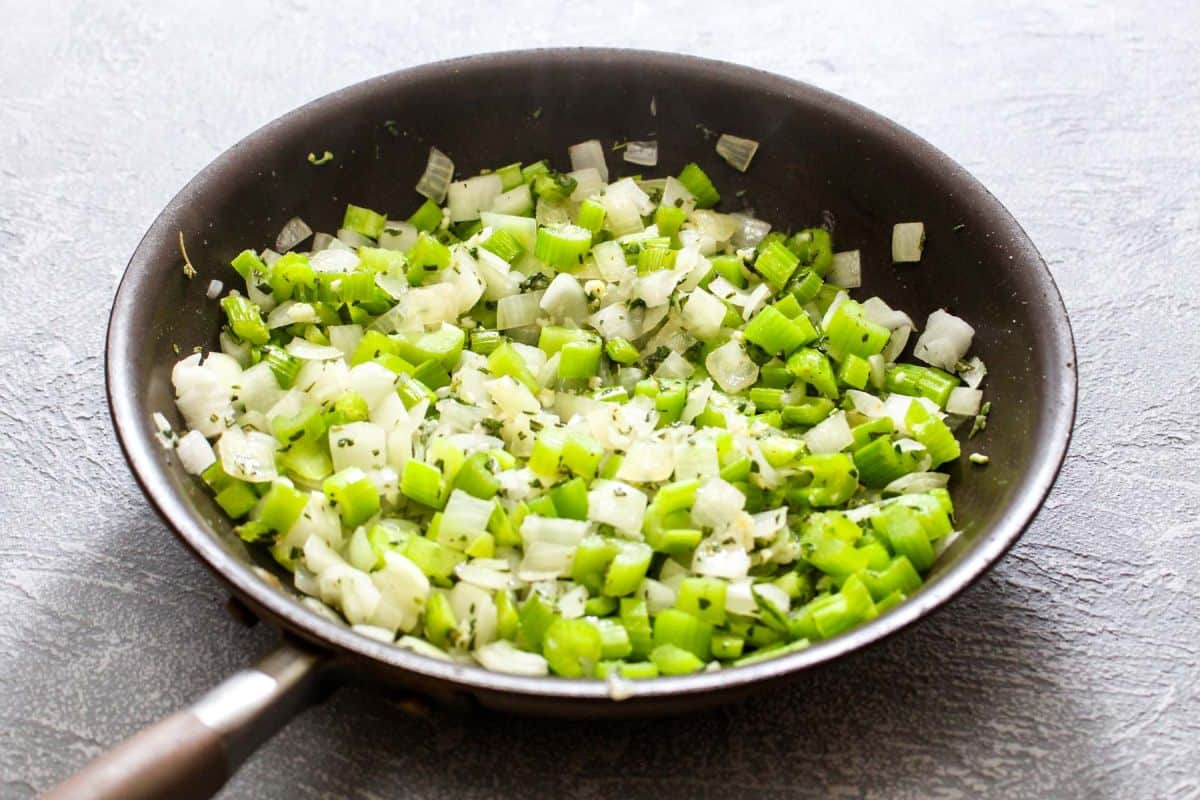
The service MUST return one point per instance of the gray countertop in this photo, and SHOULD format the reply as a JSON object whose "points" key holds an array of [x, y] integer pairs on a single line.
{"points": [[1072, 670]]}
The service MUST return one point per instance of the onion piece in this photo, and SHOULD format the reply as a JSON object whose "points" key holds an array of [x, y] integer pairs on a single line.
{"points": [[642, 153], [830, 435], [195, 453], [917, 483], [589, 154], [466, 200], [294, 232], [751, 232], [588, 183], [736, 151], [214, 289], [310, 351], [435, 181], [247, 456], [945, 341], [846, 271], [965, 401], [502, 656], [973, 372], [518, 310], [908, 241], [731, 368]]}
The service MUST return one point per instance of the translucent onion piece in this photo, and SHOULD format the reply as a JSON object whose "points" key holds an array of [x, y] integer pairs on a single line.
{"points": [[736, 151], [589, 154], [435, 181], [642, 153], [294, 232]]}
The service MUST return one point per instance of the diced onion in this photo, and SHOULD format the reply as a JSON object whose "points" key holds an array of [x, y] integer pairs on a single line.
{"points": [[945, 341], [908, 241], [965, 401], [247, 456], [738, 152], [435, 181], [467, 199], [588, 183], [751, 230], [564, 299], [717, 504], [294, 232], [398, 235], [518, 310], [830, 435], [195, 453], [589, 154], [647, 462], [214, 289], [731, 368], [917, 483], [642, 153], [974, 373], [730, 562], [333, 260], [846, 271], [310, 351], [502, 656]]}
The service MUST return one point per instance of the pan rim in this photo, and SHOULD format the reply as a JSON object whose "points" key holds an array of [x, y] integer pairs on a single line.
{"points": [[137, 442]]}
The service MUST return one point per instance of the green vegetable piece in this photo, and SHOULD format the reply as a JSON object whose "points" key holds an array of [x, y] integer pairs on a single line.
{"points": [[673, 660], [681, 629], [245, 319], [364, 221], [696, 181], [704, 598], [572, 647], [353, 495]]}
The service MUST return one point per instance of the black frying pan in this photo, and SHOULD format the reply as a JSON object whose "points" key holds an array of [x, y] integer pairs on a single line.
{"points": [[821, 158]]}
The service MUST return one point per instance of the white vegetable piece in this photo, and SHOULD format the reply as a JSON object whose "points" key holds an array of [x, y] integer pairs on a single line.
{"points": [[294, 232], [503, 656], [589, 154], [846, 270], [588, 183], [731, 368], [403, 593], [644, 154], [435, 180], [647, 462], [373, 382], [717, 504], [729, 561], [945, 341], [908, 240], [467, 199], [195, 453], [350, 590], [247, 456], [564, 299], [345, 338], [964, 401], [464, 518], [476, 614], [830, 435], [358, 444], [736, 151], [617, 504], [702, 314], [203, 391]]}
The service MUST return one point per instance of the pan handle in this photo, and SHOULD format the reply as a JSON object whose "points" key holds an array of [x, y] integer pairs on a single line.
{"points": [[190, 754]]}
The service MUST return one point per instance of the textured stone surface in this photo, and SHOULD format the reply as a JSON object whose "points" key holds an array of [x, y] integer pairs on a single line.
{"points": [[1071, 671]]}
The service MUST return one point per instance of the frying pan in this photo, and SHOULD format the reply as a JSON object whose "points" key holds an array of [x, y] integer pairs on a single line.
{"points": [[822, 159]]}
